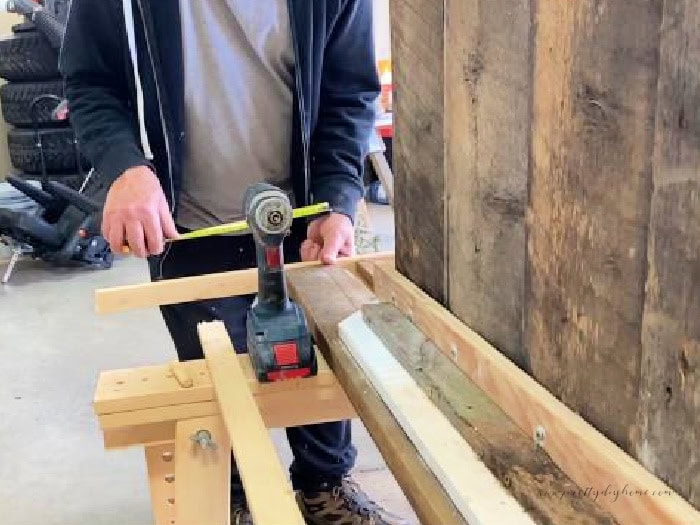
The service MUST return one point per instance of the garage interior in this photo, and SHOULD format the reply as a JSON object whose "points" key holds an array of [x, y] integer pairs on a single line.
{"points": [[527, 255]]}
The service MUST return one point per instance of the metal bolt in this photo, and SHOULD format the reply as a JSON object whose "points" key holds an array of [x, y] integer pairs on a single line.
{"points": [[204, 439], [540, 435]]}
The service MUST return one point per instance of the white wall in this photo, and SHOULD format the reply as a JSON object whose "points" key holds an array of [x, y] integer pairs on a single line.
{"points": [[6, 22]]}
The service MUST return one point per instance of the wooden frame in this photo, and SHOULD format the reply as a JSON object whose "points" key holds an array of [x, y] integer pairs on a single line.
{"points": [[603, 470]]}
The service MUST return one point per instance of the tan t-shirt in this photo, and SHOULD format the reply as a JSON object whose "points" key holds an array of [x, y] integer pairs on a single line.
{"points": [[239, 81]]}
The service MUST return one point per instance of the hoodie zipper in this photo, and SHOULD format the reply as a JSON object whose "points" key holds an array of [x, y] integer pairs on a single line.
{"points": [[160, 108], [300, 100]]}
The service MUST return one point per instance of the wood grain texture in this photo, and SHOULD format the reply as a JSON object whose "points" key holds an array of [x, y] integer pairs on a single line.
{"points": [[263, 477], [595, 75], [328, 296], [669, 411], [477, 494], [418, 148], [202, 476], [488, 90], [621, 485], [527, 472]]}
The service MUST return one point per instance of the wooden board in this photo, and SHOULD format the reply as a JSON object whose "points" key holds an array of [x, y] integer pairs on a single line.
{"points": [[185, 289], [263, 478], [533, 479], [328, 296], [202, 476], [160, 463], [669, 411], [147, 416], [418, 146], [149, 434], [477, 494], [488, 87], [621, 484], [592, 131]]}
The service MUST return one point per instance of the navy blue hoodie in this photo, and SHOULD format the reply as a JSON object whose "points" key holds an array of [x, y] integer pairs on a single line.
{"points": [[125, 116]]}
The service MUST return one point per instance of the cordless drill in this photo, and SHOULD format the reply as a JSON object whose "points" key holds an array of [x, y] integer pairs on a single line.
{"points": [[279, 342]]}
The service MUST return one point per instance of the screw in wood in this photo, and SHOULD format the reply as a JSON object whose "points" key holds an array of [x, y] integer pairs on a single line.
{"points": [[204, 439]]}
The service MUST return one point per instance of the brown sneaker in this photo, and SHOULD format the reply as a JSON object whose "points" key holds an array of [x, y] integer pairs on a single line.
{"points": [[344, 504], [240, 515]]}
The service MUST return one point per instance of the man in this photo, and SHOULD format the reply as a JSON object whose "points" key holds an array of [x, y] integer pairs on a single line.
{"points": [[180, 105]]}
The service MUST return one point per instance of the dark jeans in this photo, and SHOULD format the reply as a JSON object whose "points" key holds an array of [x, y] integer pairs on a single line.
{"points": [[322, 453]]}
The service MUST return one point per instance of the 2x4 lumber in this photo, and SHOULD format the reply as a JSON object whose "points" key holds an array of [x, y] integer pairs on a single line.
{"points": [[202, 475], [526, 470], [150, 434], [477, 494], [621, 485], [200, 287], [269, 494], [329, 295], [160, 463], [138, 397]]}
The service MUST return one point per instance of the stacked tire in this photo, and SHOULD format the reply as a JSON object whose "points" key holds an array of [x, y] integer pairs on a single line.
{"points": [[37, 142]]}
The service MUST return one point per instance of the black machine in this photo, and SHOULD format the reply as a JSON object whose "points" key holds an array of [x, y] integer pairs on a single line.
{"points": [[279, 342]]}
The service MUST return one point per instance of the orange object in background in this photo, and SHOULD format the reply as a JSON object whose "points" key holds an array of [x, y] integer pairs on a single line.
{"points": [[386, 97]]}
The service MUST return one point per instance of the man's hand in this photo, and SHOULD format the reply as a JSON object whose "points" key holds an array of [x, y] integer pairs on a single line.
{"points": [[327, 238], [136, 213]]}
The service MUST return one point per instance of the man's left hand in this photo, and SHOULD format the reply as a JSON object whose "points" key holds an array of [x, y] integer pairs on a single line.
{"points": [[328, 238]]}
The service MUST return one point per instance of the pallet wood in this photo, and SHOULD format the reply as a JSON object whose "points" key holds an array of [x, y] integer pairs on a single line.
{"points": [[161, 481], [488, 87], [418, 148], [477, 494], [583, 453], [263, 479], [669, 410], [202, 476], [210, 286], [328, 296], [548, 495]]}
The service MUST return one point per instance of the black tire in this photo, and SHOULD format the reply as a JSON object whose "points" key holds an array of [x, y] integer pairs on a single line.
{"points": [[16, 100], [26, 57], [24, 27], [58, 147]]}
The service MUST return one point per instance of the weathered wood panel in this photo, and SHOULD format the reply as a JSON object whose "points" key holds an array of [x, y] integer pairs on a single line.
{"points": [[595, 75], [418, 149], [669, 411], [488, 90]]}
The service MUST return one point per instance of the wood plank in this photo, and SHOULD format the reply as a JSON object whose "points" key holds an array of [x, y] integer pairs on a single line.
{"points": [[418, 148], [529, 474], [474, 490], [488, 93], [153, 386], [148, 435], [384, 174], [161, 482], [200, 287], [328, 296], [669, 410], [263, 478], [158, 414], [365, 271], [592, 134], [202, 475], [591, 460]]}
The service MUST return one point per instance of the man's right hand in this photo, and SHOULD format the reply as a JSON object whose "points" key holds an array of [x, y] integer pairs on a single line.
{"points": [[136, 214]]}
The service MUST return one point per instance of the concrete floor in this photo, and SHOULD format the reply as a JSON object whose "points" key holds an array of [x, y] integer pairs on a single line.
{"points": [[53, 469]]}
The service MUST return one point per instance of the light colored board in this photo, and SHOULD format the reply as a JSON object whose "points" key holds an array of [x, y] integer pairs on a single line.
{"points": [[148, 435], [477, 494], [160, 462], [365, 271], [202, 476], [269, 494], [384, 174], [153, 386], [200, 287], [158, 414], [328, 296], [584, 454]]}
